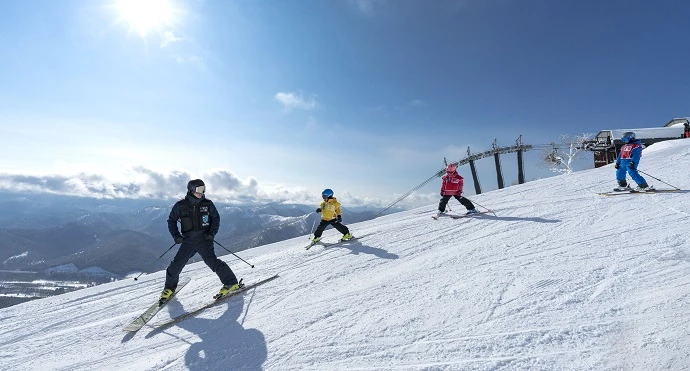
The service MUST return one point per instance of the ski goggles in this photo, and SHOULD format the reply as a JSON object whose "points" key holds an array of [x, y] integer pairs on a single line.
{"points": [[200, 189]]}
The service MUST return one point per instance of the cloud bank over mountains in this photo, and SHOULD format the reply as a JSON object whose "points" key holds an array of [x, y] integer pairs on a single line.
{"points": [[223, 186]]}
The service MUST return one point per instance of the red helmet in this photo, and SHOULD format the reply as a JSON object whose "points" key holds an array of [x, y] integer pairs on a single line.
{"points": [[451, 168]]}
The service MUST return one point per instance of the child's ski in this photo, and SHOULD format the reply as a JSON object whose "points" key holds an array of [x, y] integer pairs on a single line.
{"points": [[633, 191], [329, 244], [457, 216]]}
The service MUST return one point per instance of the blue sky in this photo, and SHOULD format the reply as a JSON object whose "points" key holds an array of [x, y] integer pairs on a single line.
{"points": [[276, 100]]}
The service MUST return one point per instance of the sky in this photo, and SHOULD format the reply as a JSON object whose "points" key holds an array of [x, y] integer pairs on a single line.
{"points": [[277, 100], [560, 278]]}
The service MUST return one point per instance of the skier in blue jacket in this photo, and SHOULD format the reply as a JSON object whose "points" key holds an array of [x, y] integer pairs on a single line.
{"points": [[628, 160]]}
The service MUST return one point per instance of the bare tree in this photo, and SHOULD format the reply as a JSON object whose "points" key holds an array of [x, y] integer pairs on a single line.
{"points": [[560, 157]]}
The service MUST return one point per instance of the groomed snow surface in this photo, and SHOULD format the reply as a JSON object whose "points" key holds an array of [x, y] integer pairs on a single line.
{"points": [[560, 279]]}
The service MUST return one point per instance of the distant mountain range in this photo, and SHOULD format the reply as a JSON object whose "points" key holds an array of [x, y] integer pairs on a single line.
{"points": [[43, 232]]}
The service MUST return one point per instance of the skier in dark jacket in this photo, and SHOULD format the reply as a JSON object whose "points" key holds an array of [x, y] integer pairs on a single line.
{"points": [[629, 159], [199, 220]]}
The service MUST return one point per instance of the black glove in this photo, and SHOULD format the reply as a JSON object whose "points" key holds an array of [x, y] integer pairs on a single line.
{"points": [[631, 165], [339, 218], [318, 210], [179, 238], [209, 237], [617, 165]]}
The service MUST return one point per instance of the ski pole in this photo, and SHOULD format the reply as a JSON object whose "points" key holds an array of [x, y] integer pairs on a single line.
{"points": [[147, 268], [312, 228], [484, 207], [218, 243], [651, 176]]}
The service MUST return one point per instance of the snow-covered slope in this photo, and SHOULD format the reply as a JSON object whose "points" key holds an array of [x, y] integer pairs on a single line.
{"points": [[559, 279]]}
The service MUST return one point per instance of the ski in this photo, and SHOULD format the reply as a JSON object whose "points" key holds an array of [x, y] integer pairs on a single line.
{"points": [[458, 216], [215, 302], [632, 191], [311, 244], [145, 317], [329, 244]]}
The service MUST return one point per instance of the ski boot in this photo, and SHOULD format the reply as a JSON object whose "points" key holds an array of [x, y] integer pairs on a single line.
{"points": [[622, 187], [165, 296], [226, 289], [347, 237], [470, 212], [644, 188]]}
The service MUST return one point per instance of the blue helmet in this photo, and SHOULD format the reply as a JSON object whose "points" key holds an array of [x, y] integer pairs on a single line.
{"points": [[327, 193], [628, 137]]}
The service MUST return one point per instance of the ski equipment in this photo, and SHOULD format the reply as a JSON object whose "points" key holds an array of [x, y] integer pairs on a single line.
{"points": [[319, 242], [165, 296], [327, 193], [145, 317], [628, 137], [457, 216], [215, 302], [196, 186], [635, 191], [225, 290]]}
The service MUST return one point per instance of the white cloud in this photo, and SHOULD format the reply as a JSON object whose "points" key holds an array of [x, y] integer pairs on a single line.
{"points": [[295, 101], [169, 38], [141, 182]]}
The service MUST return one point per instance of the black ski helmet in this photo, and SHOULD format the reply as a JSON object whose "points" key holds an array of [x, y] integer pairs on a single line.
{"points": [[192, 184], [327, 193], [628, 137]]}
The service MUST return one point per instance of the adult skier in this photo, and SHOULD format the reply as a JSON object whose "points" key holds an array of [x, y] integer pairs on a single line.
{"points": [[628, 160], [451, 186], [199, 221], [330, 215]]}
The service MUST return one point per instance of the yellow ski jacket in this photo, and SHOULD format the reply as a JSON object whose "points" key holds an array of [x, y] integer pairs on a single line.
{"points": [[330, 209]]}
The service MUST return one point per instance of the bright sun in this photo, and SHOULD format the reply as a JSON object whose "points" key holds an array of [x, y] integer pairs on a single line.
{"points": [[144, 16]]}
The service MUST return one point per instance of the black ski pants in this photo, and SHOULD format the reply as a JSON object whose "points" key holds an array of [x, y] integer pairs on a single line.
{"points": [[205, 250], [334, 222], [444, 201]]}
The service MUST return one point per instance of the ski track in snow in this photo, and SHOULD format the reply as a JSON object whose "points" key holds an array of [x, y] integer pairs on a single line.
{"points": [[558, 279]]}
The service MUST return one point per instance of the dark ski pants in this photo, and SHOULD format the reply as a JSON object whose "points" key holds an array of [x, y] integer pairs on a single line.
{"points": [[444, 201], [205, 250], [334, 222]]}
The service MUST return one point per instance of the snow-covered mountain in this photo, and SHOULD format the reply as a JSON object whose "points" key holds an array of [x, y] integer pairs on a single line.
{"points": [[125, 239], [559, 279]]}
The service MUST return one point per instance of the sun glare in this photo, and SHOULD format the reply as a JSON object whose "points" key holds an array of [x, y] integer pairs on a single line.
{"points": [[144, 16]]}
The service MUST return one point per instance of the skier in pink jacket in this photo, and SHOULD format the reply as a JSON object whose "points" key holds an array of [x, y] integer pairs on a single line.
{"points": [[451, 186]]}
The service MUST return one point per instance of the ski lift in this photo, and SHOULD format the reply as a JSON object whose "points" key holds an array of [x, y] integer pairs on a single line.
{"points": [[553, 157]]}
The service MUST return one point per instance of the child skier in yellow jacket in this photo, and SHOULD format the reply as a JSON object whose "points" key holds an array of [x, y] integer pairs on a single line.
{"points": [[330, 214]]}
